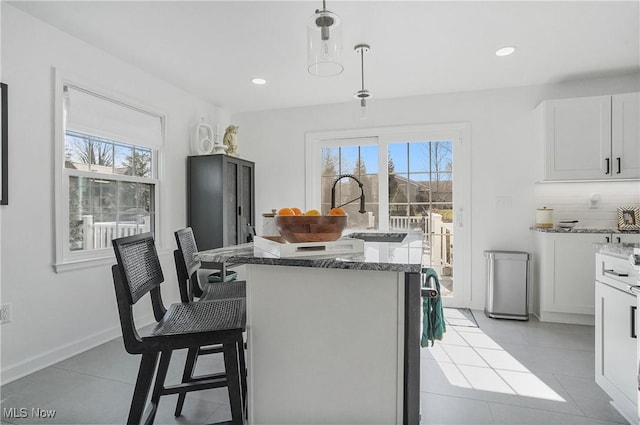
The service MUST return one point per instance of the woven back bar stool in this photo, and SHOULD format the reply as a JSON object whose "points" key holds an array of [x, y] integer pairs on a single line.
{"points": [[187, 267], [180, 326]]}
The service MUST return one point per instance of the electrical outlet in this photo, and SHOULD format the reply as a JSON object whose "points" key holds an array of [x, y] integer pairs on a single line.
{"points": [[5, 314], [594, 198], [503, 202]]}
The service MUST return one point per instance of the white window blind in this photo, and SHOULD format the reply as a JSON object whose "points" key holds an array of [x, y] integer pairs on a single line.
{"points": [[90, 113]]}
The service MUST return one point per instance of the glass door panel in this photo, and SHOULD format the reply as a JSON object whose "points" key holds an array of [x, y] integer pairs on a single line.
{"points": [[362, 163], [421, 198], [246, 218], [231, 204]]}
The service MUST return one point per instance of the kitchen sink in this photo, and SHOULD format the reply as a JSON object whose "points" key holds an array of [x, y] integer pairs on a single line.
{"points": [[378, 237]]}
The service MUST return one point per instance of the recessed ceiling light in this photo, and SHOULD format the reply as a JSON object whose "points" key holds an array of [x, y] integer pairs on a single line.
{"points": [[259, 81], [505, 51]]}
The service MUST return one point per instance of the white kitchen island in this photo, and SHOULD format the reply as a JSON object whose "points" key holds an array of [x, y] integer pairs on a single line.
{"points": [[332, 340]]}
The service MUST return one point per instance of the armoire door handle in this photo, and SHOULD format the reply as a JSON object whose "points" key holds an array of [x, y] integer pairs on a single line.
{"points": [[607, 166], [619, 168], [633, 322]]}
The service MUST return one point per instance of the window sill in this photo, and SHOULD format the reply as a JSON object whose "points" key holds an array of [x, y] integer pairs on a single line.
{"points": [[95, 262]]}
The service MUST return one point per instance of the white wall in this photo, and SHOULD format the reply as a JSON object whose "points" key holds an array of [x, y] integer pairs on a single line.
{"points": [[505, 150], [56, 315]]}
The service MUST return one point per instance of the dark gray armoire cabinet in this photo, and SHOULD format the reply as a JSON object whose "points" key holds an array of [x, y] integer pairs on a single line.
{"points": [[220, 200]]}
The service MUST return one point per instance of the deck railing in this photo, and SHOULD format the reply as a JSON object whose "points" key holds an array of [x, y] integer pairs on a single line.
{"points": [[406, 223], [99, 235], [438, 236]]}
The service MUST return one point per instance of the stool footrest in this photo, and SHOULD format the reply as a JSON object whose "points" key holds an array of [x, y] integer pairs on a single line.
{"points": [[195, 386], [219, 375]]}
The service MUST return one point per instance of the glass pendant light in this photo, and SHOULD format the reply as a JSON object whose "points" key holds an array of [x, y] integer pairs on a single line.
{"points": [[363, 95], [324, 39]]}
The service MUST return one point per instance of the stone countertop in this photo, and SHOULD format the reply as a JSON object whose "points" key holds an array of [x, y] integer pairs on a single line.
{"points": [[405, 256], [583, 230], [616, 249]]}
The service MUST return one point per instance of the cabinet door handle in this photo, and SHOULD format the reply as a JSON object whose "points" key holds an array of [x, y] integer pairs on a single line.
{"points": [[607, 239], [615, 273], [240, 210], [633, 322], [619, 168], [618, 239], [607, 166]]}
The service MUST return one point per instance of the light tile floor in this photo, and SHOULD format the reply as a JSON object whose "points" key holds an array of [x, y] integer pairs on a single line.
{"points": [[95, 387], [503, 372], [513, 372]]}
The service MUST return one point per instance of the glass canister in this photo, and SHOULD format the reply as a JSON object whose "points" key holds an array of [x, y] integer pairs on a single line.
{"points": [[544, 218]]}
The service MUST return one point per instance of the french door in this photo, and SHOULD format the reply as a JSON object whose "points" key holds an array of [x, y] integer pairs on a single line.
{"points": [[408, 176]]}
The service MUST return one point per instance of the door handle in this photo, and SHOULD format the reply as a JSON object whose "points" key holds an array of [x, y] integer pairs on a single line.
{"points": [[607, 166], [633, 322], [619, 168], [607, 239], [459, 219], [618, 239]]}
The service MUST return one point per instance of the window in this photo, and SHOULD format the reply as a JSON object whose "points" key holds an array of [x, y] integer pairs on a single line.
{"points": [[420, 182], [102, 208], [361, 162], [107, 174]]}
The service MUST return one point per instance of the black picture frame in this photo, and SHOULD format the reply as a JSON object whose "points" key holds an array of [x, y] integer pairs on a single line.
{"points": [[4, 150]]}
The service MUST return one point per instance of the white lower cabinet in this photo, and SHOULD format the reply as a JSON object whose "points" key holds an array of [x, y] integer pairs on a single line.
{"points": [[625, 238], [563, 275], [563, 267], [616, 348]]}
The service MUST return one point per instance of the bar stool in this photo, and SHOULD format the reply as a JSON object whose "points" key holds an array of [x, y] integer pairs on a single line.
{"points": [[187, 267], [182, 325]]}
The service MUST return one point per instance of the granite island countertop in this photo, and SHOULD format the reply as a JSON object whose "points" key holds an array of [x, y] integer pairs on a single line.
{"points": [[404, 256], [584, 230]]}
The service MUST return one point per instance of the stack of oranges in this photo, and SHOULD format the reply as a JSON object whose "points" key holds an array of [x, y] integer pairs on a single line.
{"points": [[297, 211]]}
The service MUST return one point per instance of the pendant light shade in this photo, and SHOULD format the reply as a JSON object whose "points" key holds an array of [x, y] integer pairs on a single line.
{"points": [[324, 42]]}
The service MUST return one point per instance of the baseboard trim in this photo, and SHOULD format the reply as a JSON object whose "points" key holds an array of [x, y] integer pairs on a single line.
{"points": [[570, 318], [33, 364]]}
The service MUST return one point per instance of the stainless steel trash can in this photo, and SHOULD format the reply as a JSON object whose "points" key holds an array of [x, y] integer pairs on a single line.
{"points": [[507, 279]]}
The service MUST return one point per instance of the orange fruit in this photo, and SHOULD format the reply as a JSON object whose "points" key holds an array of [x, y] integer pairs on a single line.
{"points": [[337, 211], [296, 211], [286, 211], [312, 212]]}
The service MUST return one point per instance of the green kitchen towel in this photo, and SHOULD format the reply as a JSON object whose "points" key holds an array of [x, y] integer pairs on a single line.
{"points": [[433, 326]]}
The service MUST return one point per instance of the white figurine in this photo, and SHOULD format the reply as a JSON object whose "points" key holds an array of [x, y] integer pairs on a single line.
{"points": [[230, 140]]}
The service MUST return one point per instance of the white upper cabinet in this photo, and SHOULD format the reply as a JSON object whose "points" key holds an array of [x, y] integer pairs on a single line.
{"points": [[625, 135], [592, 138]]}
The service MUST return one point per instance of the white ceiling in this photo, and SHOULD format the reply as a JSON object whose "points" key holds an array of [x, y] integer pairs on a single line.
{"points": [[214, 48]]}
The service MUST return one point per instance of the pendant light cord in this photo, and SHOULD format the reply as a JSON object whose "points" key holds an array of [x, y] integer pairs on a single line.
{"points": [[362, 66]]}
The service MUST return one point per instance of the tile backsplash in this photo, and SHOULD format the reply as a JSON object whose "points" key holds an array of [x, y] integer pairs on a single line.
{"points": [[570, 201]]}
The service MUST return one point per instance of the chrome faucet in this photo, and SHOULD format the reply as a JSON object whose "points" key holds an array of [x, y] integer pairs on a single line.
{"points": [[361, 197]]}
